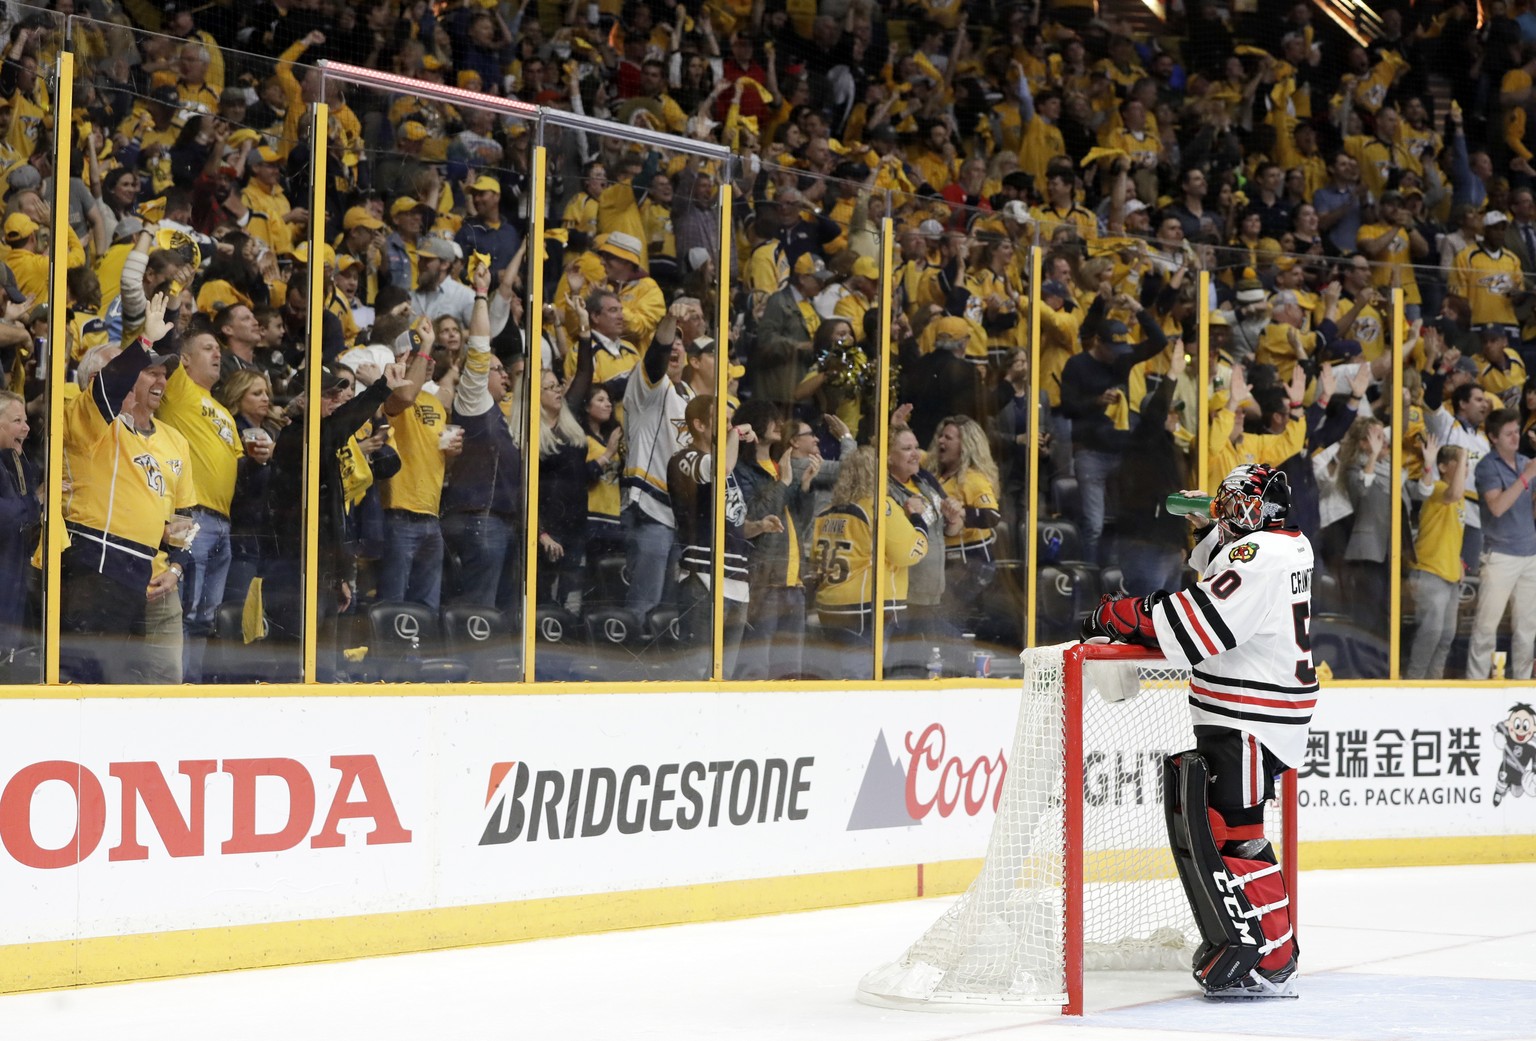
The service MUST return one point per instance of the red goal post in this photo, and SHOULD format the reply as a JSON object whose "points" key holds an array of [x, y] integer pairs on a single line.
{"points": [[1078, 874]]}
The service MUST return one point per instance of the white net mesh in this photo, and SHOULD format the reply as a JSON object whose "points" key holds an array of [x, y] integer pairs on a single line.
{"points": [[1003, 941]]}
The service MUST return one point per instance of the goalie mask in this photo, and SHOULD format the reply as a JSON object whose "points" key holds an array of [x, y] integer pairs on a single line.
{"points": [[1253, 497]]}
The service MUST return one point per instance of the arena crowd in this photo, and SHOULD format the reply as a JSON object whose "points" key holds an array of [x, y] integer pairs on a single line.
{"points": [[1302, 176]]}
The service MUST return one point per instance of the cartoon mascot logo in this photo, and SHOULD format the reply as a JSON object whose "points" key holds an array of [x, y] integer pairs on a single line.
{"points": [[1244, 552], [1517, 767]]}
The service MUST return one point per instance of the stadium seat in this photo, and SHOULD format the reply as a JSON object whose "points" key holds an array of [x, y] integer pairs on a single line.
{"points": [[1112, 581], [480, 637], [405, 645], [662, 629], [1065, 498], [1086, 584], [228, 658], [1056, 605], [612, 627], [611, 581], [1059, 540]]}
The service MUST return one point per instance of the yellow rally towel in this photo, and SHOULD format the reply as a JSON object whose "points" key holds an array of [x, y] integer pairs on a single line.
{"points": [[253, 620], [762, 91], [1095, 154], [1120, 412]]}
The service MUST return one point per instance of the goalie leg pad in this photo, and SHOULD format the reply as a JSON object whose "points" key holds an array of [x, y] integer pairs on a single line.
{"points": [[1237, 893]]}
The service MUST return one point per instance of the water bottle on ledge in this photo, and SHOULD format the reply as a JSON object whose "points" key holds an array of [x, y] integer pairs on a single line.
{"points": [[936, 664]]}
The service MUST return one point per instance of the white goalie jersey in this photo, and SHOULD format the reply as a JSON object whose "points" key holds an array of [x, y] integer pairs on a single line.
{"points": [[1244, 631]]}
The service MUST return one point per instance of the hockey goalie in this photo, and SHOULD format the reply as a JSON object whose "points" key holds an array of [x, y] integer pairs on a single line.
{"points": [[1242, 630]]}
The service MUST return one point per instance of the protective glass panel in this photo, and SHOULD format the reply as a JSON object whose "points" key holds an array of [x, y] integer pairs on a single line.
{"points": [[29, 81], [811, 291], [208, 496], [1465, 375], [429, 206], [629, 491], [969, 321]]}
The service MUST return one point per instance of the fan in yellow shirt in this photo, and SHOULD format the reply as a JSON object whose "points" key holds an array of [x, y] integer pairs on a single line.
{"points": [[1437, 566], [843, 547], [1394, 242], [1488, 276]]}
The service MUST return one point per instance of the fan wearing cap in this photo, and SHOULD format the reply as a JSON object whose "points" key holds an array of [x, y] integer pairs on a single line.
{"points": [[643, 302], [863, 284], [1488, 276], [483, 230], [24, 256], [362, 237], [438, 293], [346, 301], [785, 332], [1061, 321], [118, 512], [409, 218], [264, 194], [164, 640], [396, 171]]}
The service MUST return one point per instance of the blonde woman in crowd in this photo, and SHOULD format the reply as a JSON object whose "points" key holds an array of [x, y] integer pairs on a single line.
{"points": [[962, 460], [842, 547]]}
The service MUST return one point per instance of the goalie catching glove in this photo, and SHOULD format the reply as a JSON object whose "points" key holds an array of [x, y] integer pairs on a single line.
{"points": [[1124, 619]]}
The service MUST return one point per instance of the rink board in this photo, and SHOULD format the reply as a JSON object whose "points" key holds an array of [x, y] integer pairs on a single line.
{"points": [[146, 836]]}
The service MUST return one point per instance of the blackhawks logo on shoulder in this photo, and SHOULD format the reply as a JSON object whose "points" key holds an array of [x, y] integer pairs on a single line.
{"points": [[1245, 552]]}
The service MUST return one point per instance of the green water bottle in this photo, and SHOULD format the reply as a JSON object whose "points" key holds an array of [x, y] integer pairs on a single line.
{"points": [[1184, 505]]}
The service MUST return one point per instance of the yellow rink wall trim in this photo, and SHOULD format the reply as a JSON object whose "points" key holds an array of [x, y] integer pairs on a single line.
{"points": [[114, 959]]}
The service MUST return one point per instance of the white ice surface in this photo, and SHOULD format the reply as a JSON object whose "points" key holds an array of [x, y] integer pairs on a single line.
{"points": [[1423, 954]]}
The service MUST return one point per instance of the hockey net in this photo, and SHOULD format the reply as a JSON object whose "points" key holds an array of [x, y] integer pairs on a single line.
{"points": [[1078, 874]]}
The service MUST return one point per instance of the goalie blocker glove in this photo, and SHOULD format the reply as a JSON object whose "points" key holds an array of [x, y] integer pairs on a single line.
{"points": [[1124, 619]]}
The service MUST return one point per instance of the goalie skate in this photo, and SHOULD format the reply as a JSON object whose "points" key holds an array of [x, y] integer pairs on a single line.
{"points": [[1279, 983]]}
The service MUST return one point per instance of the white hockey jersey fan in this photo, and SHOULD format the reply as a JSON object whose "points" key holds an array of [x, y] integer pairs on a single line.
{"points": [[1244, 631]]}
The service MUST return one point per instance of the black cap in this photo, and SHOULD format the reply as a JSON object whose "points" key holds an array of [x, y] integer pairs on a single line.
{"points": [[330, 380]]}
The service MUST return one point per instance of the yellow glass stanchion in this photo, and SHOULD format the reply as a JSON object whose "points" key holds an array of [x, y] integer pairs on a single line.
{"points": [[1203, 391], [883, 443], [722, 373], [1032, 551], [319, 135], [533, 378], [58, 366], [1395, 555]]}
